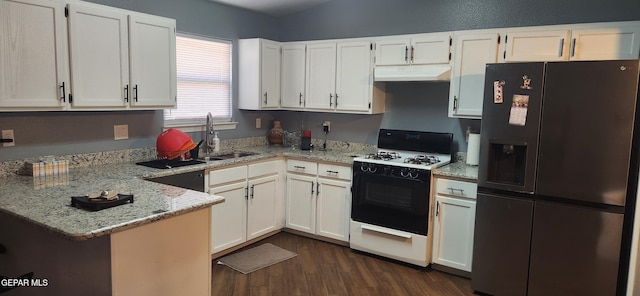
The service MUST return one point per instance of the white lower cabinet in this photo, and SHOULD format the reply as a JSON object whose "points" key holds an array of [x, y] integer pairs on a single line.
{"points": [[253, 203], [454, 223], [318, 199]]}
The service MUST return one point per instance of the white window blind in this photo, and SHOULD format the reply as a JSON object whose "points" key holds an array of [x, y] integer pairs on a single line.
{"points": [[204, 81]]}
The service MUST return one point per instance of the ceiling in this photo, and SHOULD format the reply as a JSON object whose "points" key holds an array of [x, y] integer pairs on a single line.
{"points": [[273, 7]]}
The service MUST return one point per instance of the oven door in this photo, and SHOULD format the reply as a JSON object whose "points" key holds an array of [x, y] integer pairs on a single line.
{"points": [[391, 201]]}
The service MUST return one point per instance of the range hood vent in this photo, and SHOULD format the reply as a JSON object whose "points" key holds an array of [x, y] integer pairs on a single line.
{"points": [[412, 73]]}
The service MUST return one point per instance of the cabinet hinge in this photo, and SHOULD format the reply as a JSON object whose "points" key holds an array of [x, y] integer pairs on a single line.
{"points": [[499, 38], [66, 12]]}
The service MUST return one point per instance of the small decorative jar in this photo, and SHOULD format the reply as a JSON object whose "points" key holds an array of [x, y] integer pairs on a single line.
{"points": [[276, 134]]}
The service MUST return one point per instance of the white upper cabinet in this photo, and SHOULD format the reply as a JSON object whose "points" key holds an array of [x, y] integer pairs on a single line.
{"points": [[321, 76], [259, 83], [525, 46], [152, 51], [99, 49], [606, 42], [353, 76], [472, 51], [418, 50], [293, 76], [33, 55]]}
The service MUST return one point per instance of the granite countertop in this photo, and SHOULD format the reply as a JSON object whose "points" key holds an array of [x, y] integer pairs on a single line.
{"points": [[46, 201], [458, 170]]}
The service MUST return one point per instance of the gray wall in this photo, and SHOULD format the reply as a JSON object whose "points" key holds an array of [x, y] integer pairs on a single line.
{"points": [[420, 106]]}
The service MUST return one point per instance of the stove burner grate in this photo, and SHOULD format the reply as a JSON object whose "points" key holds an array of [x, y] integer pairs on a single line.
{"points": [[423, 159], [383, 155]]}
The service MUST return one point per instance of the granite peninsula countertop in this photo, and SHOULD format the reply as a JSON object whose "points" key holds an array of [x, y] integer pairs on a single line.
{"points": [[46, 202]]}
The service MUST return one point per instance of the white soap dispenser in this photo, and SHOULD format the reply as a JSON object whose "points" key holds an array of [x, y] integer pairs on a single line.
{"points": [[216, 142]]}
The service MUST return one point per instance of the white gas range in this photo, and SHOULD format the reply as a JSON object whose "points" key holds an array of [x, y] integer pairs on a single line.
{"points": [[390, 195]]}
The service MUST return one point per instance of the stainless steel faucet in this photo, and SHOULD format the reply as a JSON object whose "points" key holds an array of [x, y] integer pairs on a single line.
{"points": [[210, 133]]}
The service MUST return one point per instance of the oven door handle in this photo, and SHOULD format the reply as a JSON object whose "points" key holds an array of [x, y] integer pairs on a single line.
{"points": [[386, 231]]}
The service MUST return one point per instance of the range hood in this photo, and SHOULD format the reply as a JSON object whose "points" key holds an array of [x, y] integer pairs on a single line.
{"points": [[412, 73]]}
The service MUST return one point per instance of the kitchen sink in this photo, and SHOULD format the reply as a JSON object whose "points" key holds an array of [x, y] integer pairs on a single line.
{"points": [[228, 155]]}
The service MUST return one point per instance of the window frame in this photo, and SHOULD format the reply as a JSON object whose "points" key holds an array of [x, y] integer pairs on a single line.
{"points": [[195, 125]]}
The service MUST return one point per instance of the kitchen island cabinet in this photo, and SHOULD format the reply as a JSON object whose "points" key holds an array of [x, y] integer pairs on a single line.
{"points": [[157, 245]]}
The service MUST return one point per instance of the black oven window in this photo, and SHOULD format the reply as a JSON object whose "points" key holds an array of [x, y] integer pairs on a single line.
{"points": [[386, 195]]}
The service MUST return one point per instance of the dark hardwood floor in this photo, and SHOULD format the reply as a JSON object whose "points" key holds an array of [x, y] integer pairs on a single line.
{"points": [[323, 268]]}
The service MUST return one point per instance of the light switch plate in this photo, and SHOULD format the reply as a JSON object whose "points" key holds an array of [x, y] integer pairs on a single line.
{"points": [[8, 134], [258, 122], [121, 132]]}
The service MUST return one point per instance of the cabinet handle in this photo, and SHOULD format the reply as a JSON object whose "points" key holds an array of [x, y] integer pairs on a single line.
{"points": [[252, 191], [406, 53], [336, 100], [455, 103], [126, 93], [453, 190], [246, 193], [412, 50], [332, 172], [311, 188], [437, 208], [63, 92], [561, 47], [317, 188], [330, 100], [300, 99], [135, 93], [299, 167], [265, 98], [573, 47]]}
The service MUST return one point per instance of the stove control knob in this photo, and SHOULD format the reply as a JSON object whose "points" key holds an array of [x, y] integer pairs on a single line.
{"points": [[373, 168], [413, 173], [387, 170], [404, 173], [363, 167]]}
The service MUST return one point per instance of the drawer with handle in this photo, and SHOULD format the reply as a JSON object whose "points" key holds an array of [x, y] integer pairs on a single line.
{"points": [[301, 166], [456, 188], [334, 171]]}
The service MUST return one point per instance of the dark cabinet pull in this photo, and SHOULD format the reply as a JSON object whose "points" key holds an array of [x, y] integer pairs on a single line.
{"points": [[412, 50], [300, 99], [573, 47], [63, 92], [252, 191], [135, 93], [437, 208], [561, 53], [332, 172], [330, 100], [126, 93], [246, 193], [336, 100], [406, 53], [317, 188], [311, 188], [299, 167], [265, 98]]}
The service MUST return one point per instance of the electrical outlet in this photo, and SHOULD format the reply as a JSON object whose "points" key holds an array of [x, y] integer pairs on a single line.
{"points": [[8, 134], [258, 122], [326, 126], [121, 132]]}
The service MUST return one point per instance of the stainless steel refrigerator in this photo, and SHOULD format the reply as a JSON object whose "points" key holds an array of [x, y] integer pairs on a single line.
{"points": [[557, 178]]}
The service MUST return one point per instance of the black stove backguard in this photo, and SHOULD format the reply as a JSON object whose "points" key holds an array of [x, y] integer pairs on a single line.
{"points": [[427, 142]]}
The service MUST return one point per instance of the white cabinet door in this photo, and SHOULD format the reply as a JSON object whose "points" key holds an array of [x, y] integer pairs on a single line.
{"points": [[431, 49], [33, 54], [321, 76], [270, 74], [262, 209], [471, 54], [453, 232], [293, 71], [353, 76], [333, 209], [229, 219], [301, 203], [611, 43], [537, 46], [153, 61], [99, 49], [393, 52]]}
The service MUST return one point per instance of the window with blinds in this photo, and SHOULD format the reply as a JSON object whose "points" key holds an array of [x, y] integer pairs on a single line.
{"points": [[204, 81]]}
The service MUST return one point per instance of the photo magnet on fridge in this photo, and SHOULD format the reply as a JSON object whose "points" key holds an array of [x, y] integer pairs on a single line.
{"points": [[526, 82], [519, 106], [497, 92]]}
